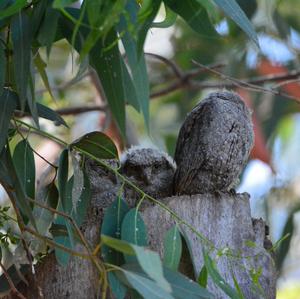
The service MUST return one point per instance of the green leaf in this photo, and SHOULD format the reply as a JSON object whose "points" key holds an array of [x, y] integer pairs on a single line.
{"points": [[145, 18], [129, 89], [195, 15], [93, 10], [8, 103], [21, 39], [79, 213], [38, 14], [12, 9], [107, 64], [2, 66], [47, 113], [202, 278], [24, 163], [116, 287], [182, 287], [47, 32], [169, 20], [145, 286], [41, 67], [147, 259], [10, 181], [134, 231], [62, 3], [111, 226], [232, 10], [31, 96], [105, 58], [172, 248], [117, 244], [64, 206], [97, 144], [14, 274], [48, 197], [62, 178], [136, 61], [111, 17], [217, 279]]}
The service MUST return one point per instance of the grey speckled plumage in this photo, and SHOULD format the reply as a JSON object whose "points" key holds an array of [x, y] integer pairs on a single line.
{"points": [[149, 169], [213, 145]]}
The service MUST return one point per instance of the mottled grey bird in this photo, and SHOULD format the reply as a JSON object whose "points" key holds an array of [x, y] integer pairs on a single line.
{"points": [[149, 169], [213, 145]]}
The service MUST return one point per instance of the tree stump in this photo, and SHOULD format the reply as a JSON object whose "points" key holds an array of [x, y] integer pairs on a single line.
{"points": [[224, 219]]}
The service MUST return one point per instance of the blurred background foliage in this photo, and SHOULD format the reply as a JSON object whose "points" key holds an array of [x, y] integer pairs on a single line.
{"points": [[272, 177]]}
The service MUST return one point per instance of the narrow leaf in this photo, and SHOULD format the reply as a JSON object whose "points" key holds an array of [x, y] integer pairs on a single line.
{"points": [[107, 64], [182, 286], [2, 67], [172, 248], [62, 178], [218, 280], [117, 288], [195, 15], [136, 61], [47, 113], [202, 278], [41, 67], [25, 166], [8, 103], [97, 144], [21, 39], [134, 231], [169, 20], [47, 32], [145, 286], [48, 197], [232, 10], [12, 9], [111, 226]]}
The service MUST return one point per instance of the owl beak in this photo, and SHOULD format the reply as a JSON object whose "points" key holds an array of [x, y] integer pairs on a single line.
{"points": [[147, 176]]}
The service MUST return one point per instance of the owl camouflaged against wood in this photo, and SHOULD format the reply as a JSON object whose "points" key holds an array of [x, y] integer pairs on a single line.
{"points": [[213, 145]]}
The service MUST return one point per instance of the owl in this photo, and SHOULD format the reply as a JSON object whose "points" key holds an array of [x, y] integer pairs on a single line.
{"points": [[213, 145], [149, 169]]}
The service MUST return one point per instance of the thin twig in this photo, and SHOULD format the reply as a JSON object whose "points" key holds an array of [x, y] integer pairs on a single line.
{"points": [[246, 84], [14, 290]]}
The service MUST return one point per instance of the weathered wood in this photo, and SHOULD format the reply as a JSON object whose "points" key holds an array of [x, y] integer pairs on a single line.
{"points": [[225, 220]]}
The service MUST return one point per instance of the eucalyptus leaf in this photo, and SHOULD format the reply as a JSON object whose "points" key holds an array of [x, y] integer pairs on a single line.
{"points": [[116, 286], [8, 102], [233, 10], [47, 113], [195, 15], [172, 248], [25, 166], [143, 285], [111, 226], [62, 178], [96, 144], [21, 39], [136, 60], [13, 8], [134, 231], [2, 67], [217, 279], [182, 287]]}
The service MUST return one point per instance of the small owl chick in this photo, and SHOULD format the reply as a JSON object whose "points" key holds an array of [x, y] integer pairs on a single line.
{"points": [[213, 145], [149, 169]]}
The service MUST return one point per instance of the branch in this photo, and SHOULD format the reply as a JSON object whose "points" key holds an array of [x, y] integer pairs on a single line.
{"points": [[10, 282]]}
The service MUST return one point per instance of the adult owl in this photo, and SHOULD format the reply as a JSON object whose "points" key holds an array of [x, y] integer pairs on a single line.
{"points": [[213, 145]]}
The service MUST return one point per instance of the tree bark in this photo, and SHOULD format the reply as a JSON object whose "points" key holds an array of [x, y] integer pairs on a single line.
{"points": [[224, 219]]}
